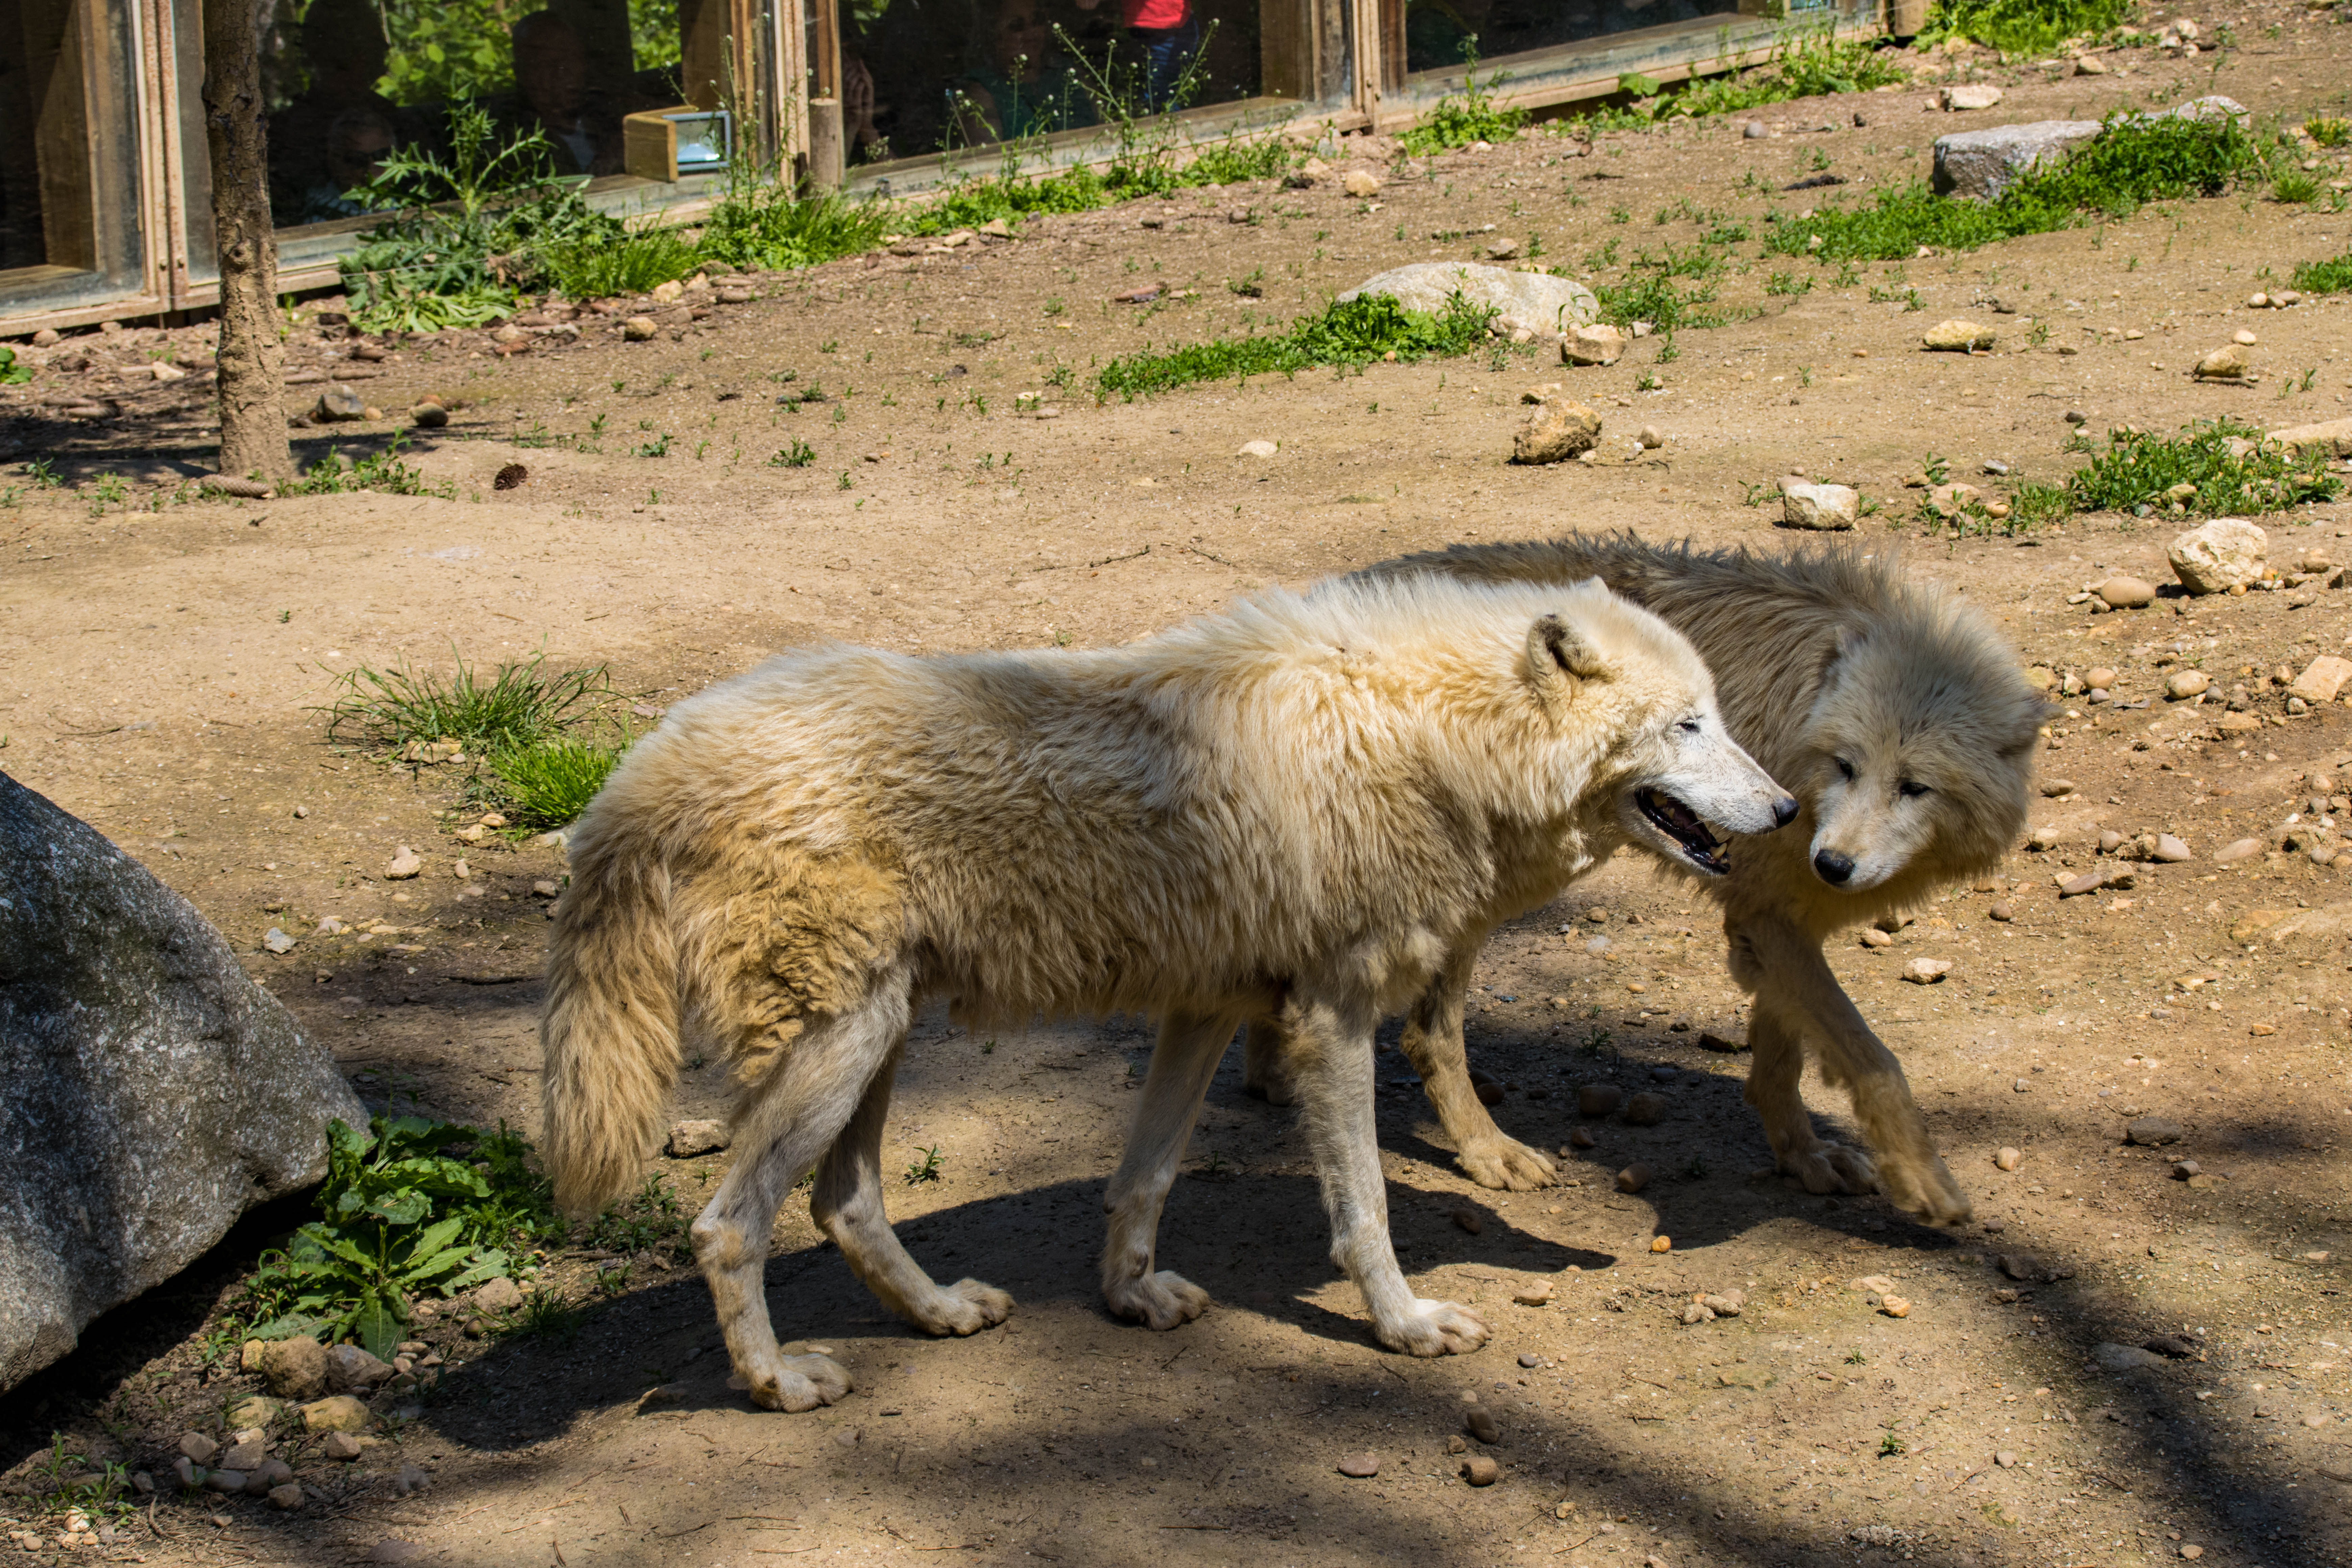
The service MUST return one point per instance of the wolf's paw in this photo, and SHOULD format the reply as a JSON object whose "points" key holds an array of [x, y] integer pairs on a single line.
{"points": [[965, 1307], [799, 1383], [1495, 1161], [1923, 1189], [1436, 1328], [1833, 1168], [1162, 1301]]}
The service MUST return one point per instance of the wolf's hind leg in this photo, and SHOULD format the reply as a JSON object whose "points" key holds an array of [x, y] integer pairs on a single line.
{"points": [[1183, 1063], [794, 1117], [1909, 1170], [1333, 1056], [1433, 1043], [847, 1207], [1265, 1063]]}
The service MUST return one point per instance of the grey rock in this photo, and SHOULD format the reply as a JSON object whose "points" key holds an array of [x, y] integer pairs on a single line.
{"points": [[1532, 300], [2213, 106], [337, 405], [1981, 164], [350, 1369], [2113, 1357], [2152, 1130], [155, 1091], [277, 942]]}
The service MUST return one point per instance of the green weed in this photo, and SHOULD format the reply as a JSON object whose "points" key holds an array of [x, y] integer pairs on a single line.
{"points": [[2333, 276], [1355, 333], [520, 705], [2229, 471], [926, 1169], [11, 372], [384, 471], [1809, 63], [2023, 27], [798, 454], [551, 1315], [2295, 187], [632, 263], [648, 1220], [2329, 131], [760, 225], [547, 784], [1787, 284], [1458, 122]]}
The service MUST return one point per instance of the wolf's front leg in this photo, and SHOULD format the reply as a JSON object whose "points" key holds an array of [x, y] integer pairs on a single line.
{"points": [[1183, 1063], [1331, 1042], [1433, 1043], [1796, 981]]}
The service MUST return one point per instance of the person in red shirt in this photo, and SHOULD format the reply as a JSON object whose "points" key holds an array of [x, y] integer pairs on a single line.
{"points": [[1169, 35]]}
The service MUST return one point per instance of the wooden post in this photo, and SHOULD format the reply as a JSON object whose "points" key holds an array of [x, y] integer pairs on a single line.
{"points": [[252, 385]]}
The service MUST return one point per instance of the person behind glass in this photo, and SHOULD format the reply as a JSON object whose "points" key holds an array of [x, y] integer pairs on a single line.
{"points": [[1169, 34], [550, 68], [357, 144], [343, 52], [1018, 90]]}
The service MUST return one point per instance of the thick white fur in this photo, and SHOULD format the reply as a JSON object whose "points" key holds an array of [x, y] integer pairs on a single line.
{"points": [[1825, 661], [1297, 809]]}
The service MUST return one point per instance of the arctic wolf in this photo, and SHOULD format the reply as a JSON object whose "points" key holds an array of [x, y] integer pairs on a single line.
{"points": [[1902, 723], [1296, 809]]}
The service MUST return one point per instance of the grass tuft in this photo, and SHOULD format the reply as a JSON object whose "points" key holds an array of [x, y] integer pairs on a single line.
{"points": [[1810, 64], [384, 471], [2023, 27], [520, 705], [633, 263], [547, 784], [2231, 472], [1458, 122], [762, 227], [2329, 131], [2333, 276], [1354, 334]]}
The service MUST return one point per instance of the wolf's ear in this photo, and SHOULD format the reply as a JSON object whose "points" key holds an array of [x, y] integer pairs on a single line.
{"points": [[1554, 645]]}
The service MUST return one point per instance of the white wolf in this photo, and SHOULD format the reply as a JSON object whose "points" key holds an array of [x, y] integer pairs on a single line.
{"points": [[1899, 719], [1297, 809]]}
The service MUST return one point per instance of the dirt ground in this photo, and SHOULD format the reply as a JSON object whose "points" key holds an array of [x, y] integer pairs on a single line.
{"points": [[163, 660]]}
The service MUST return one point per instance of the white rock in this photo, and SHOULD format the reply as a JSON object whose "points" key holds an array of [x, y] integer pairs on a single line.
{"points": [[1983, 163], [1824, 507], [1927, 970], [402, 866], [1257, 450], [1534, 300], [1971, 95], [277, 941], [2219, 556], [1592, 345]]}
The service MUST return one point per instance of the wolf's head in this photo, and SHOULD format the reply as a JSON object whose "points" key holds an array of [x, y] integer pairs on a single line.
{"points": [[1918, 749], [1675, 774]]}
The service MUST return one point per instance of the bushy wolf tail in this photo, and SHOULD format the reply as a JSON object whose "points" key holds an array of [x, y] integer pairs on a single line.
{"points": [[610, 1030]]}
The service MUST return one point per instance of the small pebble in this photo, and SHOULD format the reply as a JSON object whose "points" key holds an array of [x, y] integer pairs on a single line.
{"points": [[1632, 1178], [2005, 1460], [1529, 1358], [1894, 1306], [1533, 1295], [1645, 1110], [1480, 1470], [1481, 1424], [1580, 1138], [2191, 1550], [2008, 1159], [1661, 1244], [1468, 1220], [1599, 1098], [1361, 1466]]}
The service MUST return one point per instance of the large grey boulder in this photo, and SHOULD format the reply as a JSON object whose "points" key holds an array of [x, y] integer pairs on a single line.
{"points": [[153, 1092], [1536, 300], [1983, 163]]}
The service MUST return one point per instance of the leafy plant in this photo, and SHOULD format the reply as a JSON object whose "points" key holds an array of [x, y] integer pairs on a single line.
{"points": [[547, 784], [2132, 161], [2223, 462], [2023, 27], [384, 471], [2328, 132], [2295, 187], [1458, 122], [1807, 64], [521, 703], [11, 372], [635, 262], [926, 1169], [2333, 276], [1356, 332], [759, 225], [798, 454], [353, 1273]]}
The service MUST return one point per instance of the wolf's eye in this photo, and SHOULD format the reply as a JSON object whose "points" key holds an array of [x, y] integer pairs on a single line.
{"points": [[1846, 769], [1911, 787], [1688, 726]]}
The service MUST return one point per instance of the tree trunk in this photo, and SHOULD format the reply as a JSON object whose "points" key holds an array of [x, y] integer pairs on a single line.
{"points": [[252, 361]]}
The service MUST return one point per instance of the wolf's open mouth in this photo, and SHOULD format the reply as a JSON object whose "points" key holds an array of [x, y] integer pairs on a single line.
{"points": [[1681, 824]]}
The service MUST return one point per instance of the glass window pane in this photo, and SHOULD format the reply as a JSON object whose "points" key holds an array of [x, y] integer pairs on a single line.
{"points": [[1436, 31], [69, 131], [352, 80], [918, 77]]}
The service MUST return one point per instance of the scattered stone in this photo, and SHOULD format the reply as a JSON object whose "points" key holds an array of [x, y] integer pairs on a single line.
{"points": [[2004, 911], [687, 1139], [1650, 438], [1827, 507], [2008, 1159], [496, 1296], [2242, 849], [2088, 882], [2191, 1550], [1592, 345], [1969, 94], [1645, 1110], [245, 1454], [2023, 1267], [1580, 1138], [428, 417], [1694, 1313], [267, 1477], [2225, 364], [1480, 1470], [2127, 593], [1529, 1359], [1556, 431], [1481, 1424], [339, 405], [2175, 1346], [277, 942], [1364, 1467], [2152, 1130], [1257, 450], [198, 1448], [1537, 1294], [1361, 184], [1469, 1219], [286, 1497], [257, 1410], [1534, 299], [1927, 970], [2244, 339], [1599, 1098], [350, 1369], [341, 1446], [1894, 1306], [1632, 1178], [2056, 788], [1727, 1305], [336, 1413], [1661, 1244], [1957, 336], [295, 1368], [2332, 438], [404, 866], [2225, 553], [2213, 106], [1981, 164], [639, 328], [2322, 679], [2090, 65], [2182, 684], [225, 1481], [2113, 1357], [1754, 130]]}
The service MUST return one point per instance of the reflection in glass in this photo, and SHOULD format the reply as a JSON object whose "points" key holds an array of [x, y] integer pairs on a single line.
{"points": [[1437, 31]]}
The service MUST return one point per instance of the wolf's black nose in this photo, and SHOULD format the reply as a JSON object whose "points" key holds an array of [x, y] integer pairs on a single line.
{"points": [[1834, 867], [1784, 811]]}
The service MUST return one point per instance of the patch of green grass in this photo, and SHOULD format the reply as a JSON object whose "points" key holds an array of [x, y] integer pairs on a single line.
{"points": [[798, 454], [649, 1220], [926, 1169], [2023, 27], [2296, 187], [1788, 283], [1354, 334], [1810, 64], [1458, 122], [384, 471], [632, 263], [1143, 170], [520, 704], [2231, 473], [2329, 131], [2129, 163], [11, 372], [547, 784], [551, 1315], [1651, 297], [2333, 276], [761, 225]]}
